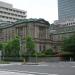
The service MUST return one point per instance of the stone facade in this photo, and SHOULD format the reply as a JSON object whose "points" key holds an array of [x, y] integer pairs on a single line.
{"points": [[37, 28], [59, 32]]}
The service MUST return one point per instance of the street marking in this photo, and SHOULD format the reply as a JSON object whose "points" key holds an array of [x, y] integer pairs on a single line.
{"points": [[4, 64], [12, 73], [52, 74], [42, 65], [27, 72], [10, 64], [73, 66]]}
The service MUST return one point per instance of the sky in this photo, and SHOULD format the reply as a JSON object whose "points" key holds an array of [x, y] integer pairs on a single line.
{"points": [[46, 9]]}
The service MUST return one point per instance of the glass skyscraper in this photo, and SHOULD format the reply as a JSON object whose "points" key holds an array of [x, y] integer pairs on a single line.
{"points": [[66, 10]]}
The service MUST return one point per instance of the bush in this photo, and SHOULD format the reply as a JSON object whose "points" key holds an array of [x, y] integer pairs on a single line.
{"points": [[48, 52]]}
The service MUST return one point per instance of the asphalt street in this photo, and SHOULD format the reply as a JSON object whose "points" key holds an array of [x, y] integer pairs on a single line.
{"points": [[53, 68]]}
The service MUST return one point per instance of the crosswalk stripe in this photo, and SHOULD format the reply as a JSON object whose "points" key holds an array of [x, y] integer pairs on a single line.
{"points": [[12, 73], [52, 74], [25, 72], [73, 66]]}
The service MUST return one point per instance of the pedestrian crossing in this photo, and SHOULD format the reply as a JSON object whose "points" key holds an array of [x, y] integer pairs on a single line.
{"points": [[16, 72], [13, 73]]}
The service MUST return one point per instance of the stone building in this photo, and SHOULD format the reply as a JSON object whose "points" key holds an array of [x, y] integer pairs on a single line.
{"points": [[37, 28], [59, 32]]}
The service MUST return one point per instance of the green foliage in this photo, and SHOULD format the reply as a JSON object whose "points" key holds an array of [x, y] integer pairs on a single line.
{"points": [[48, 52], [1, 46], [12, 48], [7, 49], [15, 47], [69, 44], [30, 45], [41, 54]]}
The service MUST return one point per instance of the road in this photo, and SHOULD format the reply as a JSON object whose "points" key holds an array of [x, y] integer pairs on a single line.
{"points": [[53, 68]]}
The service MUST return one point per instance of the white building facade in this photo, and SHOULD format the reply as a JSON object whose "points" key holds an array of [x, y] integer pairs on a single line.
{"points": [[10, 14]]}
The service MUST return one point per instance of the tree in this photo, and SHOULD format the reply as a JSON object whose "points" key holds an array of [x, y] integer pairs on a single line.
{"points": [[15, 47], [69, 44], [68, 47], [48, 52], [12, 48], [30, 45], [1, 46], [7, 49]]}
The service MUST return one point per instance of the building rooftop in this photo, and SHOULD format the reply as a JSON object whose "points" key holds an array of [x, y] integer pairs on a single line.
{"points": [[4, 4], [40, 20], [9, 24]]}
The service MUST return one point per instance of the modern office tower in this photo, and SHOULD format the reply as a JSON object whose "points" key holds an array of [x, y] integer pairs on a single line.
{"points": [[66, 10], [10, 14]]}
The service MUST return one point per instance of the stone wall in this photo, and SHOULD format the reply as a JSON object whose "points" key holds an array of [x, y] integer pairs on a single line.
{"points": [[44, 59]]}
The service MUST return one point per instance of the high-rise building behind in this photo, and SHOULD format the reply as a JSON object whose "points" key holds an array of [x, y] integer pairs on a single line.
{"points": [[10, 14], [66, 10]]}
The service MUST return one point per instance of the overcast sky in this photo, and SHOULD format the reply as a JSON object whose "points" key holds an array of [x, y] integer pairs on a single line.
{"points": [[46, 9]]}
